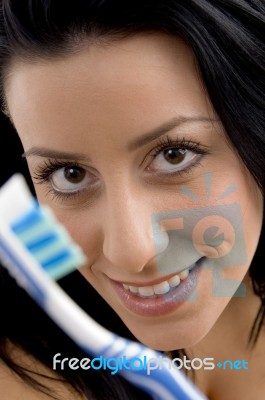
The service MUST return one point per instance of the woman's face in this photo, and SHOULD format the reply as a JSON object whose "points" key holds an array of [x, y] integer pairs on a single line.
{"points": [[124, 145]]}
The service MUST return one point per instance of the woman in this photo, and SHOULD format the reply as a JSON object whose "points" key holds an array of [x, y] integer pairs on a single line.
{"points": [[143, 128]]}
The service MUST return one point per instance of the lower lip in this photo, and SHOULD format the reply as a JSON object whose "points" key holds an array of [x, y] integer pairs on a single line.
{"points": [[162, 305]]}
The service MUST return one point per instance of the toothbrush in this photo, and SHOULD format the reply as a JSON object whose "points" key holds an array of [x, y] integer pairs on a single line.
{"points": [[37, 250]]}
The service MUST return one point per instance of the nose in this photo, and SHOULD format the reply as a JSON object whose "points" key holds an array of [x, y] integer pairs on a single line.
{"points": [[128, 238]]}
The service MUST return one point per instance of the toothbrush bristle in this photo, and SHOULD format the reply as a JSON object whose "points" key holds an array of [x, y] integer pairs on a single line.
{"points": [[38, 230], [48, 241]]}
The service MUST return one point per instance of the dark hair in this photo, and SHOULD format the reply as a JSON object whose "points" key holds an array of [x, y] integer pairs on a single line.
{"points": [[227, 37]]}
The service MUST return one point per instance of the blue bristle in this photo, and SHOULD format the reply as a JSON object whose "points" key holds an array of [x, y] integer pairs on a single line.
{"points": [[40, 242], [40, 233], [48, 241], [29, 219], [58, 258]]}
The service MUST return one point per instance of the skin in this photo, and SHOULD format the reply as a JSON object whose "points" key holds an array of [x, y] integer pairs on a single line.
{"points": [[13, 387], [96, 103]]}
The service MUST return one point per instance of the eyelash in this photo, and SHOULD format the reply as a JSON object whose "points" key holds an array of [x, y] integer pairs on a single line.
{"points": [[166, 143], [44, 172]]}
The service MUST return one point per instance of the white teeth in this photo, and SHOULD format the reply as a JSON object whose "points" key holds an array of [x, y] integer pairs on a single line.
{"points": [[161, 288], [146, 291], [174, 281], [183, 274], [133, 289]]}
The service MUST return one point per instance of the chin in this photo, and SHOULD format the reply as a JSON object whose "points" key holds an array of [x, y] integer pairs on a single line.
{"points": [[170, 339], [169, 344]]}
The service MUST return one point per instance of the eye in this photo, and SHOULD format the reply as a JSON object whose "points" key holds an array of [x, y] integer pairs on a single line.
{"points": [[65, 178], [172, 159], [70, 179]]}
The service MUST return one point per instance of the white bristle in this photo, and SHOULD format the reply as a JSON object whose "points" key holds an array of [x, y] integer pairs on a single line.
{"points": [[15, 198]]}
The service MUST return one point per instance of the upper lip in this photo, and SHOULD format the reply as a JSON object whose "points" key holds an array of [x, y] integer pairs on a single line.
{"points": [[142, 284], [151, 283], [155, 281]]}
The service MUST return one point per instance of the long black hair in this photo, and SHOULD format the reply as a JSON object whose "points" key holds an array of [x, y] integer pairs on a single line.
{"points": [[228, 40]]}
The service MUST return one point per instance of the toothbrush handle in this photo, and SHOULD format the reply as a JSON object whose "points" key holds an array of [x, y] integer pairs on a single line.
{"points": [[150, 371]]}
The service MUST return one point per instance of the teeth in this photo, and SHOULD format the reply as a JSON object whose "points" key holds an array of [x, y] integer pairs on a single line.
{"points": [[184, 274], [146, 291], [133, 289], [162, 288], [174, 281], [159, 289]]}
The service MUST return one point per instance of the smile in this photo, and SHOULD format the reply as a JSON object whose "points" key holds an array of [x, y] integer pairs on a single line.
{"points": [[160, 288], [160, 298]]}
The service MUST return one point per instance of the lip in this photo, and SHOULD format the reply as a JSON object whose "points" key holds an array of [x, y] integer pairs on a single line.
{"points": [[151, 283], [162, 305]]}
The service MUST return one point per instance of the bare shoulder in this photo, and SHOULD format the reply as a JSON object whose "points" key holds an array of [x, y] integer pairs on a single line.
{"points": [[12, 387]]}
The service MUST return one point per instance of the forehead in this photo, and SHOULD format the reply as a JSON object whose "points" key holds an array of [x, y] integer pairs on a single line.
{"points": [[132, 81]]}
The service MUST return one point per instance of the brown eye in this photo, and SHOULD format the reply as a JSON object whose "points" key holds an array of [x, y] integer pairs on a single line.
{"points": [[74, 174], [174, 156], [72, 179], [172, 159]]}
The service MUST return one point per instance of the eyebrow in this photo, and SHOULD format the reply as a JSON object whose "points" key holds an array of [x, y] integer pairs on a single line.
{"points": [[164, 128], [133, 145], [47, 153]]}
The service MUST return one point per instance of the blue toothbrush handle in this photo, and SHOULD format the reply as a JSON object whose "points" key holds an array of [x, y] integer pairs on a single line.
{"points": [[150, 371]]}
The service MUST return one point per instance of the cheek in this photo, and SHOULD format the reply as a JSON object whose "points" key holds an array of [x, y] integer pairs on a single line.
{"points": [[251, 202], [218, 218], [214, 235], [85, 232]]}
